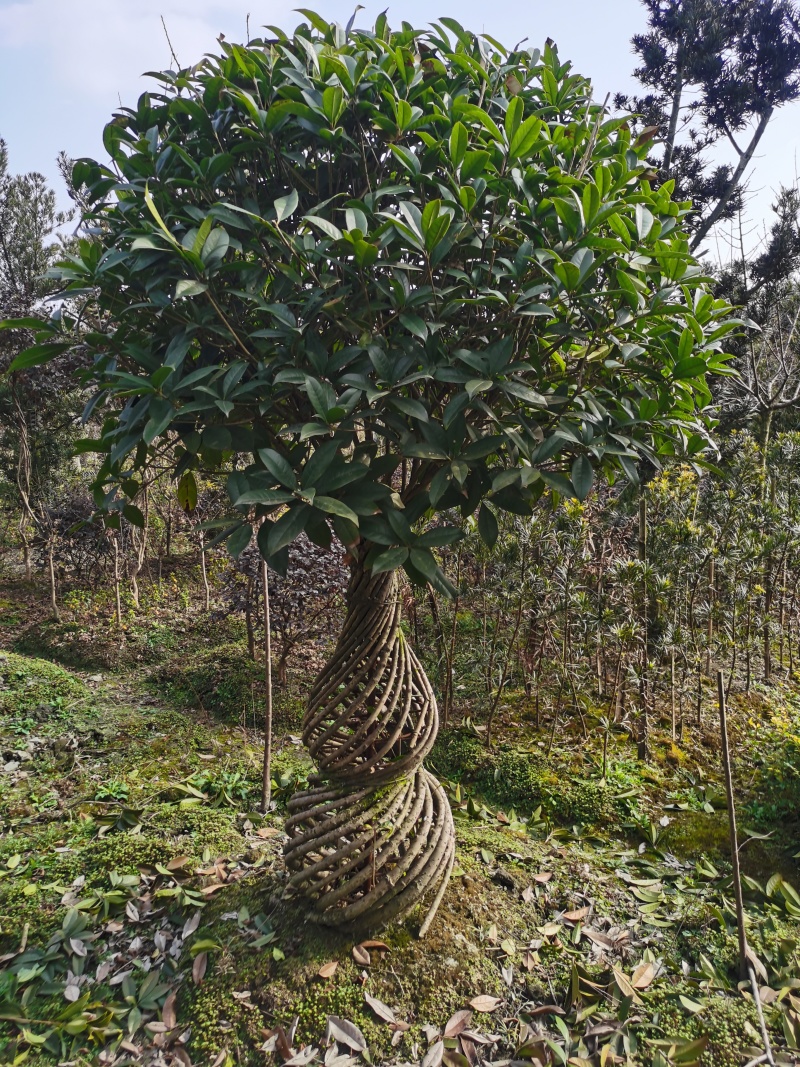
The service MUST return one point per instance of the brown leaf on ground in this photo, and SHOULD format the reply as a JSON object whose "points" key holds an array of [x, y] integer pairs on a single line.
{"points": [[577, 915], [433, 1057], [545, 1009], [643, 976], [347, 1033], [485, 1003], [361, 956], [208, 890], [542, 877], [383, 1011], [528, 894], [267, 831], [199, 967], [327, 970], [378, 946], [168, 1015], [458, 1022]]}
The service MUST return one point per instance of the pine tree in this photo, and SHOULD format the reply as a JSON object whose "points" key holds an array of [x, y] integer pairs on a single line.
{"points": [[716, 70]]}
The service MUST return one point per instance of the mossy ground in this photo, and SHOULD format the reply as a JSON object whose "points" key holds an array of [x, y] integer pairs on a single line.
{"points": [[136, 804]]}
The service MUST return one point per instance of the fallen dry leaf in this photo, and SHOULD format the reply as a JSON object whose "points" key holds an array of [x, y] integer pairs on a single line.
{"points": [[199, 967], [543, 877], [625, 987], [168, 1016], [528, 894], [361, 956], [383, 1011], [485, 1003], [379, 946], [433, 1057], [577, 915], [597, 937], [327, 970], [178, 862], [545, 1009], [267, 831], [209, 889], [643, 976], [458, 1022], [346, 1033]]}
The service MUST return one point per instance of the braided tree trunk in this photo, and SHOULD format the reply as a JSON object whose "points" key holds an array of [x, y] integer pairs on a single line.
{"points": [[373, 833]]}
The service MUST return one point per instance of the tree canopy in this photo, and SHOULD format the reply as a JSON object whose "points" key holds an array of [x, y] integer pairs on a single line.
{"points": [[716, 72], [386, 274]]}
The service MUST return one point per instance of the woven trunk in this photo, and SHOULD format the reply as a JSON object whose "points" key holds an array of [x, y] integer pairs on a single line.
{"points": [[373, 834]]}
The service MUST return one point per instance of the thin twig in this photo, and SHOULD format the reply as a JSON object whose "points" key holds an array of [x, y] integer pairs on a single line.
{"points": [[169, 42]]}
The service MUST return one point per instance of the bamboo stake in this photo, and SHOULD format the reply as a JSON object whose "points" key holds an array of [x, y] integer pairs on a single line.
{"points": [[746, 970], [737, 880], [266, 778]]}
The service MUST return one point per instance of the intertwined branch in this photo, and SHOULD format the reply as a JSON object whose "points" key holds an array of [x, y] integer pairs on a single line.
{"points": [[374, 833]]}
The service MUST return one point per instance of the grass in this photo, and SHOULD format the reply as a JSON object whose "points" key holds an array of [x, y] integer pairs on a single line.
{"points": [[135, 815]]}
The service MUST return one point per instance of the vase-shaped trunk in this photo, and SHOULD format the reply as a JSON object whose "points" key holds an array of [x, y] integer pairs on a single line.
{"points": [[373, 834]]}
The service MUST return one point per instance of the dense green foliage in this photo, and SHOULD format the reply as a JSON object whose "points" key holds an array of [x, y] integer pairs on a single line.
{"points": [[402, 274]]}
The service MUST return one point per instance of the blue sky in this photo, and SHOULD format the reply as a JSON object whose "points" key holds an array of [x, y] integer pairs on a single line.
{"points": [[66, 64]]}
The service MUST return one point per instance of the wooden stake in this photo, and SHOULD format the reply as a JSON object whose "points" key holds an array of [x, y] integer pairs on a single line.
{"points": [[737, 881], [266, 779]]}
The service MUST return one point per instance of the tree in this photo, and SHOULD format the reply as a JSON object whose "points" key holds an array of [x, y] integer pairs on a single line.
{"points": [[767, 388], [37, 408], [716, 71], [382, 276]]}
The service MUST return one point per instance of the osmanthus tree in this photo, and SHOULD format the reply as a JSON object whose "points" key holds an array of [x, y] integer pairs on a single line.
{"points": [[382, 277]]}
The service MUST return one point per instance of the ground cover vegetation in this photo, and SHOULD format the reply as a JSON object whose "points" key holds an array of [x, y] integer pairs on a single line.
{"points": [[402, 336]]}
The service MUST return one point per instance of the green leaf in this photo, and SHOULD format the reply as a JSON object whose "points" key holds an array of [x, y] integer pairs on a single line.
{"points": [[285, 206], [189, 287], [513, 116], [692, 367], [321, 395], [327, 227], [148, 199], [268, 497], [582, 476], [389, 560], [525, 136], [133, 515], [459, 140], [238, 541], [216, 246], [38, 354], [288, 527], [473, 165], [414, 324], [415, 408], [644, 221], [423, 451], [487, 526], [335, 507], [28, 324], [161, 415], [187, 492], [278, 467], [558, 482]]}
